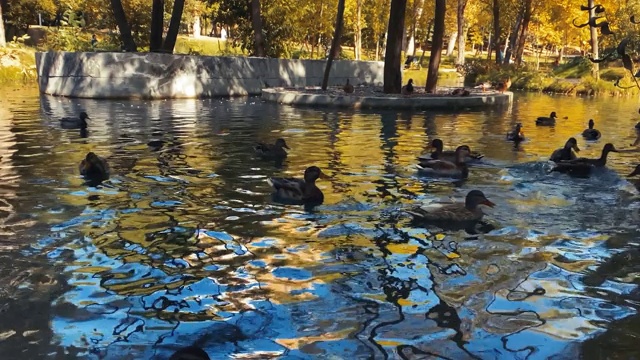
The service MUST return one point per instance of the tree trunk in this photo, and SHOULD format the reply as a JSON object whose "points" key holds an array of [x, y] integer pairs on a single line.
{"points": [[496, 30], [436, 46], [489, 47], [512, 46], [358, 32], [157, 25], [123, 26], [462, 4], [256, 23], [174, 26], [595, 68], [335, 44], [451, 45], [3, 39], [393, 53], [426, 40], [523, 33]]}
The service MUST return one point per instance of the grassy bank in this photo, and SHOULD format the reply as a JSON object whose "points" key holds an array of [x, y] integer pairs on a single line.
{"points": [[17, 64], [572, 78]]}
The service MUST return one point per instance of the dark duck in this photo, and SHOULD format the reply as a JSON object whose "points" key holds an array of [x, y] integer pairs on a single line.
{"points": [[94, 167], [591, 133], [79, 122], [566, 153], [441, 168], [448, 155], [582, 167], [407, 89], [453, 216], [299, 191], [516, 134], [269, 151]]}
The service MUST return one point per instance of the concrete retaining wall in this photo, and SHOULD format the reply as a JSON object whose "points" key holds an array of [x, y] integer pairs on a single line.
{"points": [[162, 76]]}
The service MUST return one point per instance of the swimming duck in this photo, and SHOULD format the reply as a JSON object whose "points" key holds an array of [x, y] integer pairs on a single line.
{"points": [[449, 155], [190, 353], [591, 133], [551, 120], [276, 150], [75, 122], [407, 89], [443, 168], [456, 214], [516, 134], [582, 167], [94, 167], [299, 191], [566, 153], [635, 172], [348, 88], [504, 85]]}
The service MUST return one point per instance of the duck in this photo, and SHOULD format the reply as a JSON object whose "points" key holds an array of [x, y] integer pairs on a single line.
{"points": [[442, 168], [449, 155], [299, 191], [566, 153], [460, 92], [483, 86], [516, 134], [582, 167], [407, 89], [543, 120], [504, 85], [348, 88], [591, 133], [456, 214], [79, 122], [94, 167], [635, 172], [276, 150], [190, 353]]}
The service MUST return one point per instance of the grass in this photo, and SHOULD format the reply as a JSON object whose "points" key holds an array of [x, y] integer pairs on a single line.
{"points": [[17, 64], [206, 46]]}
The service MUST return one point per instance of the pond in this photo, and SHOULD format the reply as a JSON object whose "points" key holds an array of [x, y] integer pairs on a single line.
{"points": [[183, 245]]}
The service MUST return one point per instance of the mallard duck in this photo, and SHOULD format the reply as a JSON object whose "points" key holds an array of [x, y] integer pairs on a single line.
{"points": [[516, 134], [582, 167], [348, 88], [566, 153], [454, 215], [407, 89], [94, 167], [483, 86], [635, 172], [591, 133], [460, 92], [448, 155], [504, 85], [299, 191], [551, 120], [443, 168], [276, 150], [75, 122]]}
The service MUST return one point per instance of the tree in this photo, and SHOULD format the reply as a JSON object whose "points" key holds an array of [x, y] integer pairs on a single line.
{"points": [[157, 25], [393, 53], [594, 40], [174, 26], [436, 45], [526, 18], [462, 34], [256, 23], [496, 30], [123, 26], [3, 40], [335, 44]]}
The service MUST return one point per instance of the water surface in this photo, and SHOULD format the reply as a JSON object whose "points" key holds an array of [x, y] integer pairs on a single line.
{"points": [[183, 244]]}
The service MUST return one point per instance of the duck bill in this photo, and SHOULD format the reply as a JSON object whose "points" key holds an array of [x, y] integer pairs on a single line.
{"points": [[323, 176], [286, 147], [576, 148], [488, 203], [634, 173]]}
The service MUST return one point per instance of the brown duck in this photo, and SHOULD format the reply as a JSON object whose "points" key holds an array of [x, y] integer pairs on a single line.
{"points": [[443, 168], [299, 191], [407, 89], [348, 88], [94, 167], [582, 167], [457, 214], [276, 150], [566, 153], [448, 155]]}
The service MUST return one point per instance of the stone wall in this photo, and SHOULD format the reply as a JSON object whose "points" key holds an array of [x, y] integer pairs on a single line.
{"points": [[161, 76]]}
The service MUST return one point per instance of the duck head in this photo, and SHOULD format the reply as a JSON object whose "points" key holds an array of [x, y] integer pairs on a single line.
{"points": [[437, 144], [282, 144], [410, 82], [313, 173], [462, 151], [91, 157], [553, 115], [635, 171], [591, 123], [84, 116], [572, 143], [609, 148], [475, 198]]}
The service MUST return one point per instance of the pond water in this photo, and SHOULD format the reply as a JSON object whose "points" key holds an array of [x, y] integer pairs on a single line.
{"points": [[184, 246]]}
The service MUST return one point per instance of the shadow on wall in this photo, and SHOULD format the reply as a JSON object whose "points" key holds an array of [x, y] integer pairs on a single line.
{"points": [[162, 76]]}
